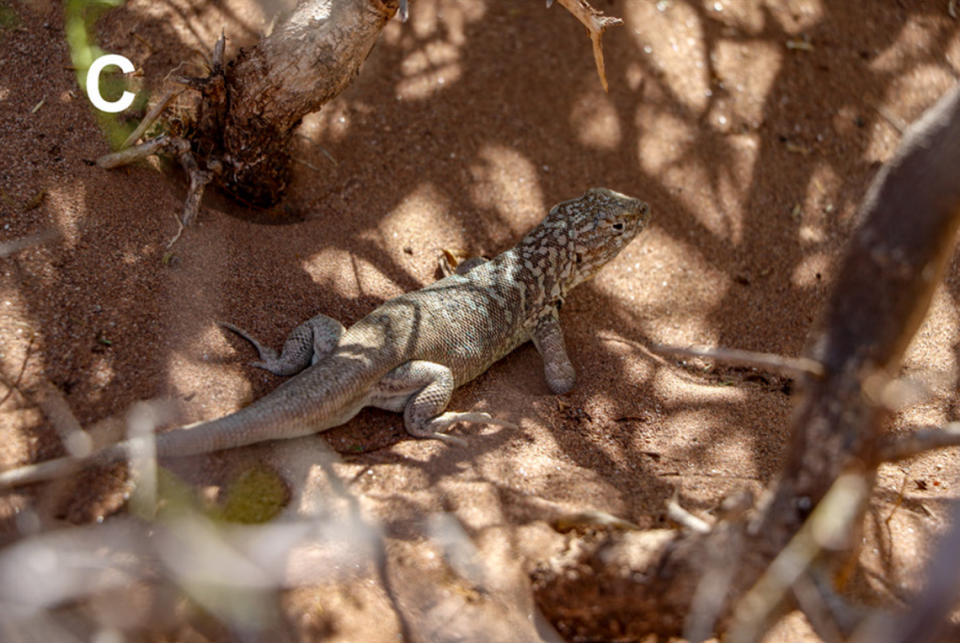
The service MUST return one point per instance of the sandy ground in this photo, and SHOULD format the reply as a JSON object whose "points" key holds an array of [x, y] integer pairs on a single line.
{"points": [[753, 129]]}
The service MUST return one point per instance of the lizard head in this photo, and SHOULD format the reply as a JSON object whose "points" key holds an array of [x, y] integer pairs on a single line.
{"points": [[598, 226]]}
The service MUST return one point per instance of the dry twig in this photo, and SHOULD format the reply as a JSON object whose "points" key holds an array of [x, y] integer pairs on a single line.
{"points": [[151, 117], [685, 519], [137, 152], [926, 439], [793, 367], [596, 23], [198, 183], [8, 248], [15, 384]]}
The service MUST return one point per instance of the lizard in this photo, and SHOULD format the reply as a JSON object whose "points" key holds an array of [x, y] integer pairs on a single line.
{"points": [[409, 354]]}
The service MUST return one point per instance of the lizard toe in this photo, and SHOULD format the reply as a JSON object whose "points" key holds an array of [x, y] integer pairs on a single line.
{"points": [[449, 439]]}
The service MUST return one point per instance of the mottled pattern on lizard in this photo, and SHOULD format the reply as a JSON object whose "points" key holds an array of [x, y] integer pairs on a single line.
{"points": [[410, 353]]}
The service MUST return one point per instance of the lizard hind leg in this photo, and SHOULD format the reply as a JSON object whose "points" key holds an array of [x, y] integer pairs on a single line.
{"points": [[309, 343], [422, 390]]}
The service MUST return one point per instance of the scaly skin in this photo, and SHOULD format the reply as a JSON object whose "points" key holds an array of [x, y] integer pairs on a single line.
{"points": [[410, 353]]}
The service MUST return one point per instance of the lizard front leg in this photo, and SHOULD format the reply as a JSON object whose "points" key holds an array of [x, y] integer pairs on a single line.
{"points": [[422, 390], [548, 338], [309, 343]]}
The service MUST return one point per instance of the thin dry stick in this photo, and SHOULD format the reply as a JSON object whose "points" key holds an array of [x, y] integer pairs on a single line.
{"points": [[15, 385], [896, 505], [77, 441], [176, 237], [218, 50], [142, 422], [926, 439], [816, 608], [793, 367], [136, 153], [51, 403], [8, 248], [322, 149], [151, 116], [596, 23], [173, 72], [305, 164], [685, 519], [591, 518], [198, 183]]}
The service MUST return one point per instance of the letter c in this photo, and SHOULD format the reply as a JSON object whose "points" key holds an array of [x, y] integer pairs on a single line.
{"points": [[93, 83]]}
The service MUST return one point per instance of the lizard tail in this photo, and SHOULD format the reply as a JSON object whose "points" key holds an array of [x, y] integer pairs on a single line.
{"points": [[326, 395], [203, 437], [247, 426]]}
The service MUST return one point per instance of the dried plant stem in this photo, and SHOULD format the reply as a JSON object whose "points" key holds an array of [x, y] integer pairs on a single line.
{"points": [[794, 367]]}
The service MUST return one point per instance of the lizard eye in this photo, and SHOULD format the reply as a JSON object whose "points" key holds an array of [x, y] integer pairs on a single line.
{"points": [[618, 226]]}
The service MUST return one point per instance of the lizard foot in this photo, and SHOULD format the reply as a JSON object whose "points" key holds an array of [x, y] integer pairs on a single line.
{"points": [[445, 437], [432, 428], [268, 356], [310, 342]]}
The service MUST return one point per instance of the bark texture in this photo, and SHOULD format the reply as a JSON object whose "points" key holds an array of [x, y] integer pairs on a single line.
{"points": [[630, 585], [253, 104]]}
